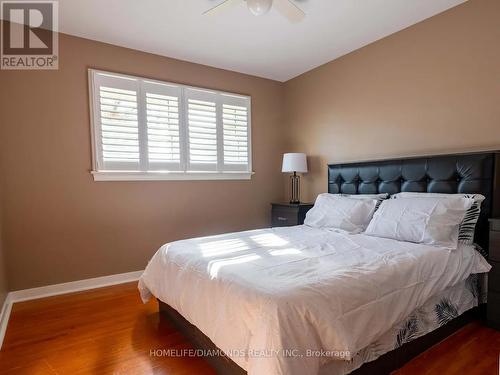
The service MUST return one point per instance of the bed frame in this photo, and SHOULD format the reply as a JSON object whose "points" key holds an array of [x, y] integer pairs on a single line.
{"points": [[457, 173]]}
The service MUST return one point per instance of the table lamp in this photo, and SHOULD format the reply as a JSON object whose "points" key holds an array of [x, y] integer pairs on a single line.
{"points": [[294, 162]]}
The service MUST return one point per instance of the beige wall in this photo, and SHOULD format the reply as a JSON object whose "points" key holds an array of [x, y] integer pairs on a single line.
{"points": [[3, 279], [3, 275], [432, 88], [60, 225]]}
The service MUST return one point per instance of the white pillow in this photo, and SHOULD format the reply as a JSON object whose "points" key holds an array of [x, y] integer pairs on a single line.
{"points": [[381, 196], [433, 221], [468, 224], [335, 211], [378, 197]]}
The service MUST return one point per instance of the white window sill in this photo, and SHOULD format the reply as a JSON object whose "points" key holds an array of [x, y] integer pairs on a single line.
{"points": [[169, 176]]}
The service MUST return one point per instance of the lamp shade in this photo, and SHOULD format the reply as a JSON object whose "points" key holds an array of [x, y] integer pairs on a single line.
{"points": [[294, 162]]}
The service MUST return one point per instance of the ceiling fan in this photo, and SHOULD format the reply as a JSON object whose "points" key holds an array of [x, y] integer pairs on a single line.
{"points": [[260, 7]]}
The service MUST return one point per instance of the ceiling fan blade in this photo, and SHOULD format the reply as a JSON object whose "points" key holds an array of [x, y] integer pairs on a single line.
{"points": [[218, 8], [288, 9]]}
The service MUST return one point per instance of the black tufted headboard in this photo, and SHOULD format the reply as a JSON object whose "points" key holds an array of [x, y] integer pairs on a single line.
{"points": [[459, 173]]}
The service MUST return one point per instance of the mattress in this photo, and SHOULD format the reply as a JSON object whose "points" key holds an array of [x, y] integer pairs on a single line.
{"points": [[277, 295]]}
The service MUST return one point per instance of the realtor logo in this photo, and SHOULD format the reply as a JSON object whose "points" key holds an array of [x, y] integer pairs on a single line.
{"points": [[29, 35]]}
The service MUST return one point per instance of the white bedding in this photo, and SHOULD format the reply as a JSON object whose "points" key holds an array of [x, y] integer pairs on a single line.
{"points": [[299, 288], [456, 300]]}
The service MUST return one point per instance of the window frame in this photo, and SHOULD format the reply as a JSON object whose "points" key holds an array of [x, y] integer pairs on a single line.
{"points": [[229, 173]]}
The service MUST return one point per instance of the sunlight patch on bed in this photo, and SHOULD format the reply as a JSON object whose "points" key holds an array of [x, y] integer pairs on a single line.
{"points": [[215, 265], [222, 247], [269, 240], [290, 251]]}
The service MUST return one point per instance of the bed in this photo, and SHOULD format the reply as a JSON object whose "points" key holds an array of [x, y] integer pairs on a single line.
{"points": [[272, 300]]}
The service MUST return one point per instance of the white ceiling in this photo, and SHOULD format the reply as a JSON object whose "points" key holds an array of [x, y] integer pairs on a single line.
{"points": [[268, 46]]}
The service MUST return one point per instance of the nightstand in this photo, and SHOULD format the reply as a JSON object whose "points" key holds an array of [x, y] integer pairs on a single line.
{"points": [[493, 306], [288, 214]]}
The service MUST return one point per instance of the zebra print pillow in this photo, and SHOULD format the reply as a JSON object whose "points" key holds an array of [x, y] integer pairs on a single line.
{"points": [[468, 225]]}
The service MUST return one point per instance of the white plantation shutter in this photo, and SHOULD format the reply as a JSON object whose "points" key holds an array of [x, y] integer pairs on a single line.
{"points": [[146, 129], [235, 123], [163, 126], [202, 129], [118, 126]]}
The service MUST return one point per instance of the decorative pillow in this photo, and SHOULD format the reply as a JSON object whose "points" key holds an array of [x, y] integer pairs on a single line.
{"points": [[432, 221], [336, 211], [468, 225]]}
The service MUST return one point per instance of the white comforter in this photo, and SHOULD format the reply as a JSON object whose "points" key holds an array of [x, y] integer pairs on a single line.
{"points": [[297, 289]]}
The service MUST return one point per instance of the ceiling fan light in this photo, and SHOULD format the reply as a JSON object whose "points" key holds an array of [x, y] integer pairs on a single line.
{"points": [[259, 7]]}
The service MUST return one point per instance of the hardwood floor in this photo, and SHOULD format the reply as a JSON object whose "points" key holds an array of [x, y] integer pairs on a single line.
{"points": [[109, 331], [103, 331], [474, 349]]}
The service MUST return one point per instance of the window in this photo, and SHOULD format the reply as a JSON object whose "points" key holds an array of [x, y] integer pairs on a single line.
{"points": [[150, 130]]}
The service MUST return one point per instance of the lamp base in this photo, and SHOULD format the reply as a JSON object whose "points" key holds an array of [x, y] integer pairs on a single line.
{"points": [[294, 188]]}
